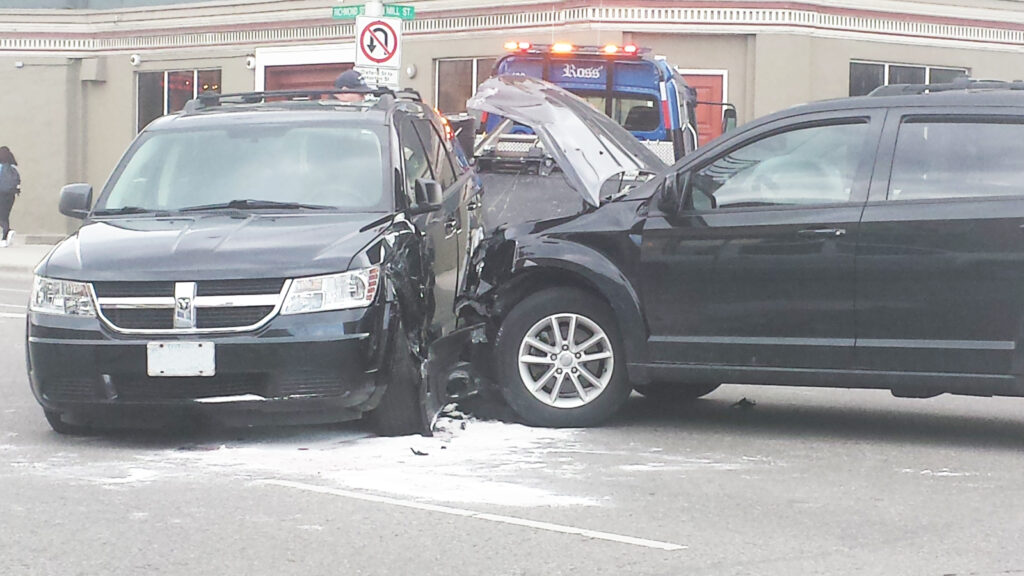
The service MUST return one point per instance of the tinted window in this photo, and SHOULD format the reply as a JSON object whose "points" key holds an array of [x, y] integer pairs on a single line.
{"points": [[936, 159], [815, 165], [906, 74], [444, 173], [414, 156], [339, 166], [865, 77]]}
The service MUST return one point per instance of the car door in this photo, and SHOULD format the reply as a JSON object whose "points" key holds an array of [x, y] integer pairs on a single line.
{"points": [[440, 250], [940, 265], [452, 214], [756, 269]]}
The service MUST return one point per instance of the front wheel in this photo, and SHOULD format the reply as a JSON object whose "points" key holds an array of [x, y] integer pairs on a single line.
{"points": [[560, 360]]}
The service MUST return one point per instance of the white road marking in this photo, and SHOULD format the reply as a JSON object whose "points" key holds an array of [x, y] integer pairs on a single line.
{"points": [[22, 306], [9, 315], [501, 519], [18, 291]]}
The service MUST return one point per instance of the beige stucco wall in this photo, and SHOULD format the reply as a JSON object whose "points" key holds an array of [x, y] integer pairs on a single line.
{"points": [[791, 69], [38, 121]]}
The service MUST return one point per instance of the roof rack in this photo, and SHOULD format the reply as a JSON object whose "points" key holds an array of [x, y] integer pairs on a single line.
{"points": [[957, 84], [208, 100]]}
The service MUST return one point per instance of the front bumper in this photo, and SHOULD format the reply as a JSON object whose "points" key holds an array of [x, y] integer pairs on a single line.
{"points": [[322, 363]]}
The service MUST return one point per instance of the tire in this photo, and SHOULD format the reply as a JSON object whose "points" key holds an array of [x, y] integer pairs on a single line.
{"points": [[676, 393], [399, 412], [589, 392], [61, 427]]}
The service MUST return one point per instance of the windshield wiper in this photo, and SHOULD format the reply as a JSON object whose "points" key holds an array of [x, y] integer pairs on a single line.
{"points": [[130, 210], [249, 204]]}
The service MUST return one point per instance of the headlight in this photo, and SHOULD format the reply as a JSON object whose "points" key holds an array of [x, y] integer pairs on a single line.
{"points": [[355, 289], [62, 297]]}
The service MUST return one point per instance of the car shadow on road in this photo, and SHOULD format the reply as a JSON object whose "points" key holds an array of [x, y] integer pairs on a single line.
{"points": [[723, 414]]}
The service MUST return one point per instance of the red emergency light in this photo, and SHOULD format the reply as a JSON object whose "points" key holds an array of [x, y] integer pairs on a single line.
{"points": [[566, 48], [517, 46]]}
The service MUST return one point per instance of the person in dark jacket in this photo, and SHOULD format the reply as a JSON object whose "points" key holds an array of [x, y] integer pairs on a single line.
{"points": [[10, 186]]}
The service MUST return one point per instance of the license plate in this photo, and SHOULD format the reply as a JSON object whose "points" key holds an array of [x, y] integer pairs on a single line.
{"points": [[180, 359]]}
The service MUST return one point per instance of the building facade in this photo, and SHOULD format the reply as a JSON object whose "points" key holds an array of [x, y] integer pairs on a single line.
{"points": [[80, 78]]}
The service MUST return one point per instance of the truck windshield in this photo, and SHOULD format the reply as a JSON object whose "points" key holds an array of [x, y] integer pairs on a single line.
{"points": [[336, 166]]}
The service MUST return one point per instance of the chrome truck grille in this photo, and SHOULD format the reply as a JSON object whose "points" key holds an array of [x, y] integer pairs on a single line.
{"points": [[189, 307]]}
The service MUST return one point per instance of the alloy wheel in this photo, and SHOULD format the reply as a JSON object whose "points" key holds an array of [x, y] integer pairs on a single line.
{"points": [[566, 360]]}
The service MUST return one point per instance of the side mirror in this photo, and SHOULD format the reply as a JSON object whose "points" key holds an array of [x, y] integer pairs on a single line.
{"points": [[76, 200], [729, 118], [428, 196], [673, 192]]}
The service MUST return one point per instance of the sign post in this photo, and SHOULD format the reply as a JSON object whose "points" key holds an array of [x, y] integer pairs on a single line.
{"points": [[379, 49]]}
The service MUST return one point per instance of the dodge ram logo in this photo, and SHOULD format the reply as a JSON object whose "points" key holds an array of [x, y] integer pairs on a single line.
{"points": [[184, 305]]}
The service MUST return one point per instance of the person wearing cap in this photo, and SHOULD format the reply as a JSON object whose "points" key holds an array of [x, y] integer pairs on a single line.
{"points": [[351, 81]]}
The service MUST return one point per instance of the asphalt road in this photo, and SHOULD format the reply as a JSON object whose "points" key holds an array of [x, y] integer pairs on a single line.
{"points": [[806, 482]]}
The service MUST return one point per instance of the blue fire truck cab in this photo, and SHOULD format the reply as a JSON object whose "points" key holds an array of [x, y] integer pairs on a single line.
{"points": [[633, 87]]}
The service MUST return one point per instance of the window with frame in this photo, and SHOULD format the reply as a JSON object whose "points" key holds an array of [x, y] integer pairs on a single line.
{"points": [[806, 166], [161, 93], [440, 162], [456, 80], [939, 158], [866, 76], [414, 157]]}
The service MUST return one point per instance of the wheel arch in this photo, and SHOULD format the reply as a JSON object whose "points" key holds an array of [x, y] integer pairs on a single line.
{"points": [[579, 267]]}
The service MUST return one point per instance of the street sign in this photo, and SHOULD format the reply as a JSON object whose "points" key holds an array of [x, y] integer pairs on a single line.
{"points": [[347, 12], [379, 42], [374, 76], [390, 11], [399, 11]]}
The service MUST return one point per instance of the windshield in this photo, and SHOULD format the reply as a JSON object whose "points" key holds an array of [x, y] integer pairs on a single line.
{"points": [[336, 166]]}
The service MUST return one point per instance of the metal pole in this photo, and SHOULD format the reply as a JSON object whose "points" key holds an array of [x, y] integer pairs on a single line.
{"points": [[375, 8]]}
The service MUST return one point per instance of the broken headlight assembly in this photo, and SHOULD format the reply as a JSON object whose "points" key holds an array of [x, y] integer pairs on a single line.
{"points": [[63, 297], [353, 289]]}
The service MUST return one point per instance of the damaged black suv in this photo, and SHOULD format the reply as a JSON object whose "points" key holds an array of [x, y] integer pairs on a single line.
{"points": [[286, 255], [871, 242]]}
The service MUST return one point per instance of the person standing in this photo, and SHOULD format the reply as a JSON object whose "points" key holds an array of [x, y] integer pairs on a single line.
{"points": [[351, 81], [10, 182]]}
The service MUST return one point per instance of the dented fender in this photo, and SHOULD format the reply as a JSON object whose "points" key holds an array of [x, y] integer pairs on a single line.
{"points": [[577, 251]]}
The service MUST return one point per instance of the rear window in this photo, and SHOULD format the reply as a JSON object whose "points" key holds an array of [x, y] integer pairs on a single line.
{"points": [[634, 112], [958, 158], [340, 166]]}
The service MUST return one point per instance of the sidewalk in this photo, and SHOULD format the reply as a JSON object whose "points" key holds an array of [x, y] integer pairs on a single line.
{"points": [[22, 257]]}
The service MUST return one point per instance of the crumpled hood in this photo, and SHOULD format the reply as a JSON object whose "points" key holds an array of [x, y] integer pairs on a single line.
{"points": [[211, 246], [589, 147]]}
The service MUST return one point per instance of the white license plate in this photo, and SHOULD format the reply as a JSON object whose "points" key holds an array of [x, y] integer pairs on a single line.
{"points": [[180, 359]]}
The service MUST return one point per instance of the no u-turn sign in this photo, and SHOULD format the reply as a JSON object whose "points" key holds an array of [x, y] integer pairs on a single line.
{"points": [[379, 42]]}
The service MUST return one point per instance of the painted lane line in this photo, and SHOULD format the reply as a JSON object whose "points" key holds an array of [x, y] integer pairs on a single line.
{"points": [[499, 518], [9, 315], [16, 290], [22, 306]]}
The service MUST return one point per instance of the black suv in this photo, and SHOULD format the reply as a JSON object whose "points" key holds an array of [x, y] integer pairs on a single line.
{"points": [[872, 242], [286, 254]]}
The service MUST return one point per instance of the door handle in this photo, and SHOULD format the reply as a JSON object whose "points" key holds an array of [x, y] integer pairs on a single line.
{"points": [[451, 226], [819, 232]]}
